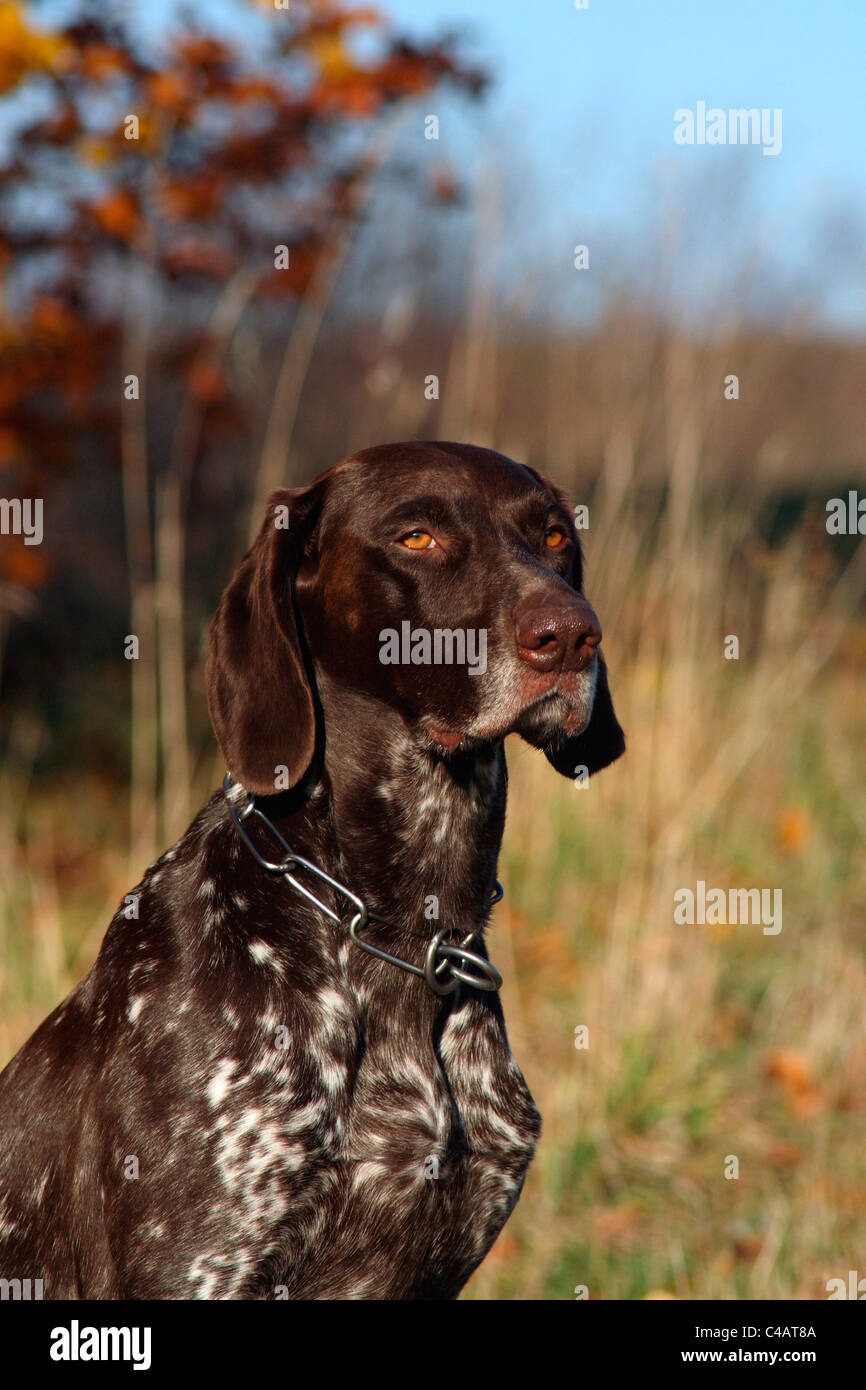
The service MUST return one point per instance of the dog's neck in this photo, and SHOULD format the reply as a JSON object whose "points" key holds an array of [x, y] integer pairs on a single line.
{"points": [[439, 818]]}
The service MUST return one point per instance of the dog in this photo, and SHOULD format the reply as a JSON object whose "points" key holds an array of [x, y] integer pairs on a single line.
{"points": [[287, 1074]]}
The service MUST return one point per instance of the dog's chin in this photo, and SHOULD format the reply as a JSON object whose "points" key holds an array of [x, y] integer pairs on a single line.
{"points": [[563, 712], [554, 717]]}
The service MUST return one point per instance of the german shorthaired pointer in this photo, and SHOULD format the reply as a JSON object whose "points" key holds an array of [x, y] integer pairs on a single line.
{"points": [[287, 1074]]}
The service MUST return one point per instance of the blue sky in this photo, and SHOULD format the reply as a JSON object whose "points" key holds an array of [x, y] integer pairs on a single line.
{"points": [[583, 108], [579, 129]]}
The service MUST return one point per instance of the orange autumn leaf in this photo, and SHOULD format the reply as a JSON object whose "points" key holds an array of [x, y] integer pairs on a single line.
{"points": [[22, 565], [361, 14], [201, 52], [186, 199], [748, 1247], [402, 73], [254, 89], [93, 151], [354, 97], [794, 1072], [24, 50], [169, 90], [334, 61], [51, 319], [505, 1248], [805, 1104], [207, 382], [783, 1154], [194, 255], [545, 947], [101, 60], [794, 828], [791, 1068], [303, 260], [117, 214]]}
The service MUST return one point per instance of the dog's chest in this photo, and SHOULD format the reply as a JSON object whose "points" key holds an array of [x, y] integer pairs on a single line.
{"points": [[430, 1149]]}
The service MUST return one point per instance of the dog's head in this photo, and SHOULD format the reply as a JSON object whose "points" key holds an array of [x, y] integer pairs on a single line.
{"points": [[442, 581]]}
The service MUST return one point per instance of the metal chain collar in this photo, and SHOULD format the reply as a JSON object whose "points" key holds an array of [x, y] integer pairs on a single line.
{"points": [[439, 969]]}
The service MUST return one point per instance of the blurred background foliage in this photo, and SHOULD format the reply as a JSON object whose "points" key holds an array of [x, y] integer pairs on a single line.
{"points": [[261, 128]]}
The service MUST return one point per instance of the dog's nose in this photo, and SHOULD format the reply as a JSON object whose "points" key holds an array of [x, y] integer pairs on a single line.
{"points": [[556, 636]]}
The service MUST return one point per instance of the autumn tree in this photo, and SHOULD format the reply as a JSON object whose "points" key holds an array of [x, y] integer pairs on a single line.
{"points": [[155, 188]]}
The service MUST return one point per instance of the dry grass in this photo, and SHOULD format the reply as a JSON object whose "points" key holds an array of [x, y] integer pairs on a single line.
{"points": [[704, 1041]]}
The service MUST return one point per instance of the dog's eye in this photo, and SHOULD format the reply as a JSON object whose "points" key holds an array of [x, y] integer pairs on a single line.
{"points": [[418, 540], [554, 537]]}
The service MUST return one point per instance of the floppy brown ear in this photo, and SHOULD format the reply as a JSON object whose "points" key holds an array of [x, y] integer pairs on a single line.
{"points": [[259, 693], [601, 742]]}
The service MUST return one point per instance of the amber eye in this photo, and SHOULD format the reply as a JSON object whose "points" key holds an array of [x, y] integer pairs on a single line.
{"points": [[554, 537], [418, 540]]}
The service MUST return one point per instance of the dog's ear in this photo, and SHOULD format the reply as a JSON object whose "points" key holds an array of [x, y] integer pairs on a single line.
{"points": [[601, 742], [259, 691]]}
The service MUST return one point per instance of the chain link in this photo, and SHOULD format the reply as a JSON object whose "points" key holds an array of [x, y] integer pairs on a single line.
{"points": [[438, 970]]}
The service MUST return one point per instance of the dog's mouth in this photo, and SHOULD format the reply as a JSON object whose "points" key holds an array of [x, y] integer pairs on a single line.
{"points": [[548, 707]]}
